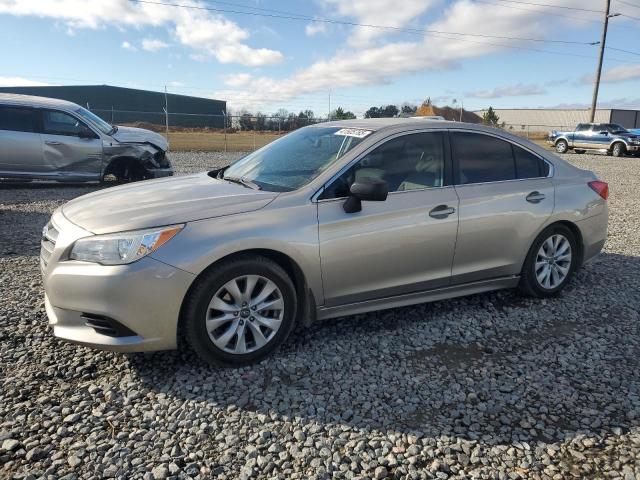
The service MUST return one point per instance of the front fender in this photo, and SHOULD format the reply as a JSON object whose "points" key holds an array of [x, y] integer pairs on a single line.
{"points": [[290, 231]]}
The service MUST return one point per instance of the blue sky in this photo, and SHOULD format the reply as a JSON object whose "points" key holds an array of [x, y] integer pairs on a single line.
{"points": [[265, 63]]}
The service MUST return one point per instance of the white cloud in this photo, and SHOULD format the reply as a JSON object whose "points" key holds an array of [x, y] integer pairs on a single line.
{"points": [[238, 80], [127, 46], [153, 44], [365, 63], [20, 82], [621, 73], [377, 12], [210, 35], [315, 28], [517, 90], [175, 83]]}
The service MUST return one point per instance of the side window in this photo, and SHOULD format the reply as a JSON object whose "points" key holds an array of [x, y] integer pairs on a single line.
{"points": [[528, 165], [17, 119], [408, 162], [60, 123], [582, 127], [483, 158]]}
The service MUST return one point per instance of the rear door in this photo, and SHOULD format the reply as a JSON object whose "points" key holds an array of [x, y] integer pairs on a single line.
{"points": [[402, 245], [505, 197], [71, 149], [20, 142]]}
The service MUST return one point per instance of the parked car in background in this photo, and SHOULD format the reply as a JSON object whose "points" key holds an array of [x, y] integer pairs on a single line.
{"points": [[331, 220], [608, 138], [49, 139]]}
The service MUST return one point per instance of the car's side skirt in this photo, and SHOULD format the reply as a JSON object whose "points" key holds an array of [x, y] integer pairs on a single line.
{"points": [[418, 297]]}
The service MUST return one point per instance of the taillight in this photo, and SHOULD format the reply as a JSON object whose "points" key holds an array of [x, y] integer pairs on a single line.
{"points": [[601, 188]]}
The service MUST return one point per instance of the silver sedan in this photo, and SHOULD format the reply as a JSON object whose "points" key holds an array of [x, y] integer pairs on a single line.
{"points": [[331, 220]]}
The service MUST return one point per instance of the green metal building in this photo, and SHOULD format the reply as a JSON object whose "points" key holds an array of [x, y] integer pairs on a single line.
{"points": [[129, 105]]}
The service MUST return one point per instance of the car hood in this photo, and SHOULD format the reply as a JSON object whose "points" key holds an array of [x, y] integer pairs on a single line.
{"points": [[166, 201], [140, 135]]}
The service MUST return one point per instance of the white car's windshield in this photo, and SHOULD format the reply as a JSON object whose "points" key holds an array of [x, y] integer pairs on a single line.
{"points": [[104, 127], [296, 159]]}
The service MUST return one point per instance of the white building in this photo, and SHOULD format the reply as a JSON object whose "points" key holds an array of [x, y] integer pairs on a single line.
{"points": [[545, 119]]}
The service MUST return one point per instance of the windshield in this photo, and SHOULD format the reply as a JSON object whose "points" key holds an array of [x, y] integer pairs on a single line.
{"points": [[96, 120], [294, 160], [615, 128]]}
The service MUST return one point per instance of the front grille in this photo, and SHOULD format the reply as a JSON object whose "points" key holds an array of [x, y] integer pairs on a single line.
{"points": [[48, 243]]}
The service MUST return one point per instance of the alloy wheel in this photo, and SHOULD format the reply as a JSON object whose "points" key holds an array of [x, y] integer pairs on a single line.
{"points": [[561, 146], [553, 261], [245, 314]]}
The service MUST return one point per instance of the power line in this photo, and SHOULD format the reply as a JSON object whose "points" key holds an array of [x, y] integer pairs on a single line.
{"points": [[291, 16], [629, 16], [524, 9], [629, 4], [624, 51], [552, 6]]}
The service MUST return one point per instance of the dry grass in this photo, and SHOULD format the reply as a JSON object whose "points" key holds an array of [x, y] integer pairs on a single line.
{"points": [[214, 141]]}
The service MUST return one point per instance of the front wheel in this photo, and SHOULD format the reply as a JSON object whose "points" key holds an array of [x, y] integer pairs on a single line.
{"points": [[550, 263], [240, 311], [618, 149], [562, 146]]}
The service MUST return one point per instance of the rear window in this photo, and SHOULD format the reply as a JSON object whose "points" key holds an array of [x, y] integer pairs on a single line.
{"points": [[482, 158], [17, 119]]}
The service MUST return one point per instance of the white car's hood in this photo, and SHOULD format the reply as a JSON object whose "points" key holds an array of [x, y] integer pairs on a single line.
{"points": [[140, 135]]}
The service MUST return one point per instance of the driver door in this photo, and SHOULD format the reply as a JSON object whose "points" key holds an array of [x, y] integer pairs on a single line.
{"points": [[67, 151], [398, 246]]}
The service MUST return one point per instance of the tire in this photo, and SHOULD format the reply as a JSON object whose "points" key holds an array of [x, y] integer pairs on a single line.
{"points": [[231, 339], [532, 270], [562, 146], [580, 151], [618, 149], [126, 171]]}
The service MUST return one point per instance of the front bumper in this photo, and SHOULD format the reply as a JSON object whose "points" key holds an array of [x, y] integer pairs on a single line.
{"points": [[144, 297]]}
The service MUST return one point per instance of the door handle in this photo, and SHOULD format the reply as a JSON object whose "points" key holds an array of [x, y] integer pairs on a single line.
{"points": [[535, 197], [441, 211], [52, 142]]}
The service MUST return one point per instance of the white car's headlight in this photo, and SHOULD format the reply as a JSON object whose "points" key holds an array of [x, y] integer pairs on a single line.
{"points": [[122, 248]]}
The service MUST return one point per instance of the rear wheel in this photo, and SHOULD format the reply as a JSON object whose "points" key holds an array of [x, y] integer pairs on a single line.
{"points": [[550, 263], [562, 146], [240, 311], [618, 149]]}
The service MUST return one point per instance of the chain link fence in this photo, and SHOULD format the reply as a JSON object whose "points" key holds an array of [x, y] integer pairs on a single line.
{"points": [[244, 133], [211, 132], [535, 132]]}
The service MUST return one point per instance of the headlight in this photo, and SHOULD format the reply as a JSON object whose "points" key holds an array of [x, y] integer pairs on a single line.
{"points": [[122, 248]]}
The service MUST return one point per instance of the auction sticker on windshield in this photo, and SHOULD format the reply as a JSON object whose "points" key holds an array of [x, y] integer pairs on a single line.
{"points": [[353, 132]]}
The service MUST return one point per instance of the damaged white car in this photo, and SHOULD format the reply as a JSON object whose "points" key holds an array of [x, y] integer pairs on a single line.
{"points": [[49, 139]]}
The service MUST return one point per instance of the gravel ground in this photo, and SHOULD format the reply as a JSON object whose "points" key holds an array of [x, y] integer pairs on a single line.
{"points": [[488, 386]]}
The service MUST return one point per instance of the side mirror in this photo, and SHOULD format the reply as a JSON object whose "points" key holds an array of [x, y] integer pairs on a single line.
{"points": [[86, 133], [367, 189]]}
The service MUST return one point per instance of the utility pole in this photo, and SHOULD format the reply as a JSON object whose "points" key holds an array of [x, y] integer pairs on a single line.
{"points": [[603, 40]]}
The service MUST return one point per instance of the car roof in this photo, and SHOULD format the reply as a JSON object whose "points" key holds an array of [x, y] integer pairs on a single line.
{"points": [[33, 101]]}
